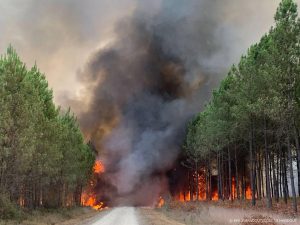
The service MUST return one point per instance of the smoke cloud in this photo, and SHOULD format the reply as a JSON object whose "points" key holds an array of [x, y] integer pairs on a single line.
{"points": [[146, 84]]}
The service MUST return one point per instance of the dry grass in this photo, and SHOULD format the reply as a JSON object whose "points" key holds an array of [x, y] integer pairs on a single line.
{"points": [[257, 220], [153, 217], [53, 217], [227, 212], [261, 205], [189, 213]]}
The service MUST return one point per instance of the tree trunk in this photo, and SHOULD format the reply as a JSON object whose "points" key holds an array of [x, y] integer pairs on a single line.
{"points": [[223, 178], [271, 179], [268, 191], [255, 174], [207, 181], [236, 175], [298, 172], [243, 181], [298, 155], [190, 186], [229, 175], [275, 180], [210, 182], [280, 174], [277, 174], [292, 174], [197, 182], [284, 177], [262, 175], [251, 167], [219, 176], [259, 177]]}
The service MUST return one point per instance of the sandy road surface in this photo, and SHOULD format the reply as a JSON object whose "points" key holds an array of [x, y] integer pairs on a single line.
{"points": [[132, 216], [119, 216]]}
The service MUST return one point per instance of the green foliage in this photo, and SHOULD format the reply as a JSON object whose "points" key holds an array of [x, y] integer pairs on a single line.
{"points": [[256, 108], [264, 86], [43, 157], [286, 12], [9, 209]]}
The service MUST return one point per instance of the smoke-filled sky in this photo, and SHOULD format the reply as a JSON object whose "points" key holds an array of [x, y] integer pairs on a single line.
{"points": [[60, 35], [134, 71]]}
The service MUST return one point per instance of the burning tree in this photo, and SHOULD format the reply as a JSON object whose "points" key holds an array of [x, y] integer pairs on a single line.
{"points": [[194, 161], [90, 195]]}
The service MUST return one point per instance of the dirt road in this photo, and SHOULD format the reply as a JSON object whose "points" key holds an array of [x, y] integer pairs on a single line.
{"points": [[119, 216], [132, 216]]}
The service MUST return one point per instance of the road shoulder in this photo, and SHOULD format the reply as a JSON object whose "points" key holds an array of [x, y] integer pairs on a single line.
{"points": [[150, 216]]}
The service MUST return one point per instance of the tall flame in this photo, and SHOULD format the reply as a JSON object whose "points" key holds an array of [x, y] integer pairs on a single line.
{"points": [[248, 193], [186, 195], [88, 198]]}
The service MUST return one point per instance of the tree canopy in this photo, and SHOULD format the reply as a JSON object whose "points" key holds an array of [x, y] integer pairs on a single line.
{"points": [[44, 160], [256, 109]]}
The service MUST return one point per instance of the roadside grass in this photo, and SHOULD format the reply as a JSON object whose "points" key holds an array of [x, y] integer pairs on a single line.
{"points": [[51, 216], [224, 212], [261, 205], [186, 212]]}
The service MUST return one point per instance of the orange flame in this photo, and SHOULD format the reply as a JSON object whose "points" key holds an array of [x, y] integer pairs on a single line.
{"points": [[184, 196], [161, 202], [188, 196], [248, 193], [215, 196], [181, 197], [99, 167], [88, 200]]}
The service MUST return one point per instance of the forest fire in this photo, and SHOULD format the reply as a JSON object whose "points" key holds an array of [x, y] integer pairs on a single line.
{"points": [[88, 197], [184, 197], [215, 196], [194, 187], [191, 186], [161, 202], [248, 193], [90, 200], [189, 192]]}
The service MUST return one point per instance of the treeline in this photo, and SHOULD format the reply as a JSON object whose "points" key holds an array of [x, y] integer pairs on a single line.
{"points": [[249, 130], [44, 161]]}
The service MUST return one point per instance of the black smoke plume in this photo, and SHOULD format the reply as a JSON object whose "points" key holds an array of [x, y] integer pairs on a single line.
{"points": [[156, 74]]}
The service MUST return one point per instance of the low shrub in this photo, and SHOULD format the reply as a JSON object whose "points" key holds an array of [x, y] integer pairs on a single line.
{"points": [[8, 209]]}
